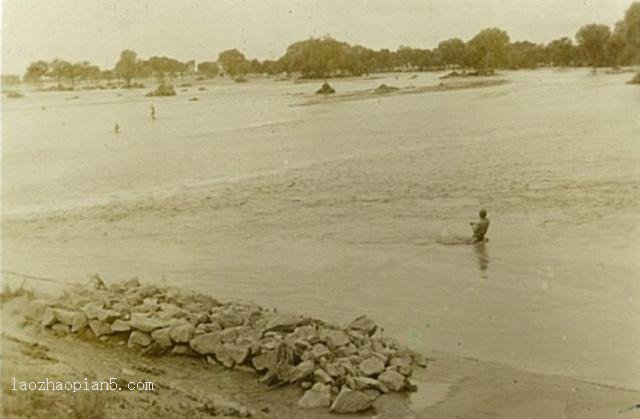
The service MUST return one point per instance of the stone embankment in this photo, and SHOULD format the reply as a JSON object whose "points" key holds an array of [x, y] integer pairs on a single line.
{"points": [[344, 369]]}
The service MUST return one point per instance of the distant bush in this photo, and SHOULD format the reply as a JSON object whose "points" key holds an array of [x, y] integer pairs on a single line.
{"points": [[635, 80], [240, 79], [326, 89], [202, 89], [185, 85], [57, 88], [12, 94], [163, 90], [193, 99], [133, 86]]}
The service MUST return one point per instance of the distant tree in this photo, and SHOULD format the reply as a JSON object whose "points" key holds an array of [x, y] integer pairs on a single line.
{"points": [[452, 52], [255, 67], [233, 62], [209, 68], [524, 54], [318, 58], [83, 70], [384, 59], [60, 70], [561, 52], [592, 41], [36, 71], [616, 45], [488, 49], [627, 31], [127, 68], [272, 67], [107, 75], [164, 66]]}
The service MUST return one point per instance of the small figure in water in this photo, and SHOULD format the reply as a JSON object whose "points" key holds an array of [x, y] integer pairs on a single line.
{"points": [[480, 228], [116, 128], [153, 112]]}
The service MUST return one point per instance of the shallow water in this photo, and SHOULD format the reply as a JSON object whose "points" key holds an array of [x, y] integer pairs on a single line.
{"points": [[341, 206]]}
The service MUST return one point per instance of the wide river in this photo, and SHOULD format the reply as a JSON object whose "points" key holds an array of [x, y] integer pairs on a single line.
{"points": [[342, 208]]}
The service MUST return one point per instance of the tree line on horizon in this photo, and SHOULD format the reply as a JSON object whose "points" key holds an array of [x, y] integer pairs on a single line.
{"points": [[596, 45]]}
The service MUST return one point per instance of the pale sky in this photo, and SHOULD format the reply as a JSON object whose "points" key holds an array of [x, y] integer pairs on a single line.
{"points": [[97, 30]]}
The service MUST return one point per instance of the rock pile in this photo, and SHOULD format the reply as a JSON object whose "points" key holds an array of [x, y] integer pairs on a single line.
{"points": [[344, 369], [635, 80]]}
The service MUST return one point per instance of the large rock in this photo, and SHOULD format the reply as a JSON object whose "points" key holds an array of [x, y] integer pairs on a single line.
{"points": [[205, 343], [350, 401], [120, 325], [161, 337], [79, 322], [97, 311], [371, 367], [265, 360], [99, 328], [301, 371], [321, 376], [228, 318], [230, 354], [317, 396], [402, 365], [138, 338], [284, 322], [335, 369], [319, 350], [336, 338], [362, 383], [346, 350], [392, 380], [208, 327], [146, 324], [364, 324], [60, 328], [48, 318], [229, 335], [307, 333], [66, 317], [182, 332]]}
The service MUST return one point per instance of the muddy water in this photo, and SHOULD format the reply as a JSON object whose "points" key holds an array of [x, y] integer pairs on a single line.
{"points": [[339, 209]]}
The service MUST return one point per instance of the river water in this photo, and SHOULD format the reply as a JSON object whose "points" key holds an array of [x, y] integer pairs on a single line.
{"points": [[342, 208]]}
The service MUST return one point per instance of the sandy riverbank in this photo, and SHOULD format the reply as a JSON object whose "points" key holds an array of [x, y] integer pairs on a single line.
{"points": [[451, 387]]}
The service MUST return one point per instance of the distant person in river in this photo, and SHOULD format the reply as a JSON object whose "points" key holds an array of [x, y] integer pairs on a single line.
{"points": [[480, 228], [153, 112], [116, 128]]}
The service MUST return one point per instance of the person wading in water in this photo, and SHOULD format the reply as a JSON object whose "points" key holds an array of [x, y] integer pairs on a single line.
{"points": [[480, 228]]}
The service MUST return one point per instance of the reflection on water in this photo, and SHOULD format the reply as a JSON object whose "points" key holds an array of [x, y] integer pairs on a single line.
{"points": [[482, 256]]}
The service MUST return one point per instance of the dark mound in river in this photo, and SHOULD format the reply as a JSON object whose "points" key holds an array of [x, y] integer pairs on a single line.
{"points": [[478, 73], [635, 80], [344, 369], [326, 89], [14, 94], [383, 88], [163, 90]]}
